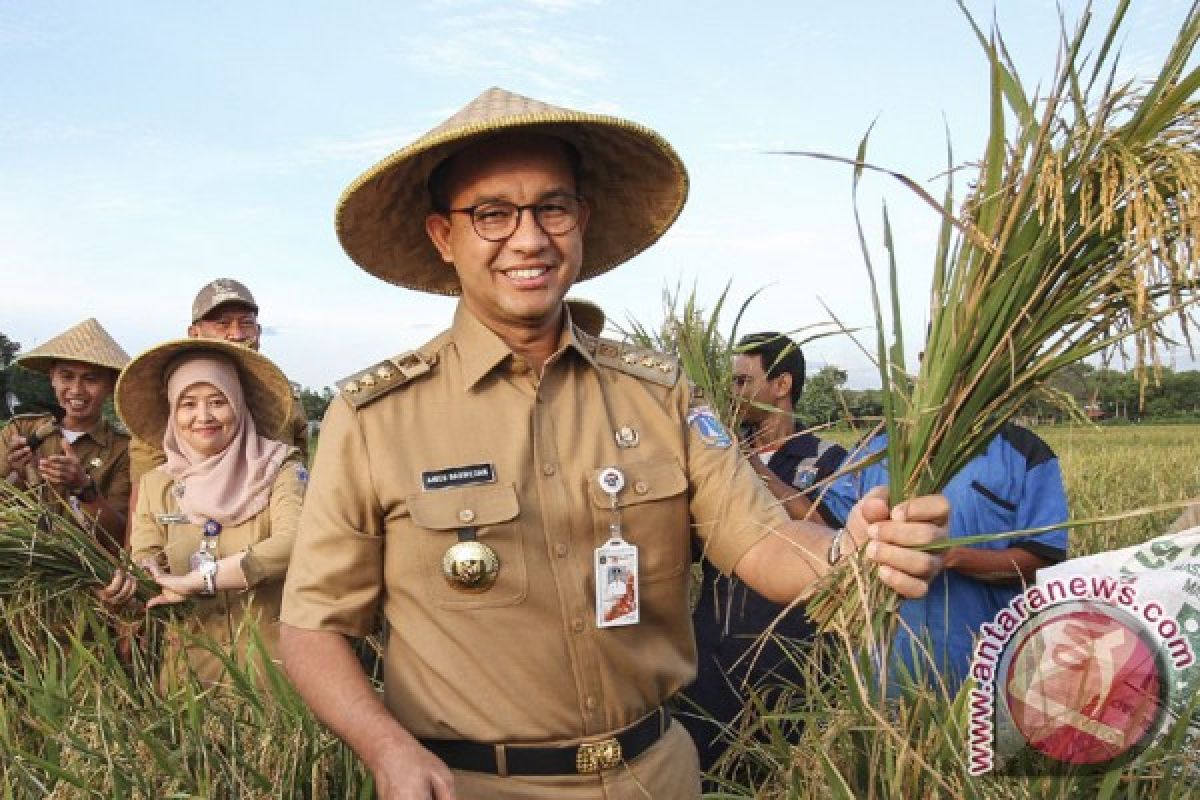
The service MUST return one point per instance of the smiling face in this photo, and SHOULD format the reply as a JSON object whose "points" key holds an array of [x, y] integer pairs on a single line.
{"points": [[81, 390], [232, 322], [204, 419], [518, 283]]}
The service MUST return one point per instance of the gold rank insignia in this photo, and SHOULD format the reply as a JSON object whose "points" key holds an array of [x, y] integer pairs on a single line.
{"points": [[377, 380]]}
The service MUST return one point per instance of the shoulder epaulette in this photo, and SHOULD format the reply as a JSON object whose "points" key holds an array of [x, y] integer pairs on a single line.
{"points": [[649, 365], [377, 380]]}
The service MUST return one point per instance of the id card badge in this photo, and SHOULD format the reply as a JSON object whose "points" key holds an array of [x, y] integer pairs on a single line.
{"points": [[617, 591]]}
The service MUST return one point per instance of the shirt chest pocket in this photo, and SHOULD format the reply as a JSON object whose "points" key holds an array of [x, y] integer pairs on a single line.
{"points": [[994, 510], [653, 512], [490, 511]]}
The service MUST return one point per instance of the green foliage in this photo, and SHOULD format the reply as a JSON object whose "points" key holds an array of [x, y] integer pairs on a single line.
{"points": [[315, 403], [821, 402], [32, 390]]}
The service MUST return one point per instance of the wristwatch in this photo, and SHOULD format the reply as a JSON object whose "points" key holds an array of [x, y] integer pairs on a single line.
{"points": [[208, 571], [835, 547]]}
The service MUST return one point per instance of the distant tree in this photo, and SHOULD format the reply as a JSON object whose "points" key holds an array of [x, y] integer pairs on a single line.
{"points": [[8, 350], [315, 403], [821, 401], [31, 389]]}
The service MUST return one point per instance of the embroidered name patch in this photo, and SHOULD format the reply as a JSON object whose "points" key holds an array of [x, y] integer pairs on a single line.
{"points": [[706, 425], [458, 476]]}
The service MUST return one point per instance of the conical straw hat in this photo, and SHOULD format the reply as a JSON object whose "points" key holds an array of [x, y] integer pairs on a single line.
{"points": [[587, 315], [634, 182], [141, 394], [87, 342]]}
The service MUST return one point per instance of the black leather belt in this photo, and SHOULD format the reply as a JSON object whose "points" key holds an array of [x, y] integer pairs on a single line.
{"points": [[583, 758]]}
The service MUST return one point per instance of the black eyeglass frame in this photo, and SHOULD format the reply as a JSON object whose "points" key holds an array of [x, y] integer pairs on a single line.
{"points": [[520, 209]]}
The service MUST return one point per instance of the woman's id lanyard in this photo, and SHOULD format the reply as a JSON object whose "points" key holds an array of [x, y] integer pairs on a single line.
{"points": [[616, 563], [208, 546]]}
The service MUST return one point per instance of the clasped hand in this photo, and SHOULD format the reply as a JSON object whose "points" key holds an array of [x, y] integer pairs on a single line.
{"points": [[892, 537]]}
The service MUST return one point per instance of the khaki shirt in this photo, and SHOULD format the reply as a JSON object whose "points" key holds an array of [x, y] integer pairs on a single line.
{"points": [[145, 456], [267, 538], [103, 451], [524, 660]]}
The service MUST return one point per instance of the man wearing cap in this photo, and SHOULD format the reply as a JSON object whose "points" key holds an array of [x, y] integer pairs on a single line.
{"points": [[481, 487], [82, 461], [223, 309]]}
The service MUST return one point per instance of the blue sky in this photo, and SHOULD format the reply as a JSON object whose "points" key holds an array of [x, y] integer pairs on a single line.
{"points": [[146, 148]]}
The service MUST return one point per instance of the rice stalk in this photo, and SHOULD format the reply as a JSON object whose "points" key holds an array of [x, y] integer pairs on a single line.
{"points": [[54, 552], [1079, 232]]}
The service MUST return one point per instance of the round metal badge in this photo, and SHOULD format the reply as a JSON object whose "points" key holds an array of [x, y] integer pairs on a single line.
{"points": [[470, 566], [611, 480]]}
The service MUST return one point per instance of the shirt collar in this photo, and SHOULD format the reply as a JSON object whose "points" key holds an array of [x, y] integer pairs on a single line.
{"points": [[101, 433], [481, 350]]}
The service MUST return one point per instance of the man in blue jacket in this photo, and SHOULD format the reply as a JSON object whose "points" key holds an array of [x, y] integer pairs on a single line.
{"points": [[1015, 484]]}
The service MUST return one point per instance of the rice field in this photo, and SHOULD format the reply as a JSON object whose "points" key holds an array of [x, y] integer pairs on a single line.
{"points": [[77, 722]]}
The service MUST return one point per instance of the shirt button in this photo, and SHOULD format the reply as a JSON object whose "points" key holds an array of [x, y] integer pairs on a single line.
{"points": [[549, 469], [641, 487], [466, 515], [560, 550], [577, 625]]}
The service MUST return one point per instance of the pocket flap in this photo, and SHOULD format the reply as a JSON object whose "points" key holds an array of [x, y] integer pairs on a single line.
{"points": [[465, 507], [644, 483]]}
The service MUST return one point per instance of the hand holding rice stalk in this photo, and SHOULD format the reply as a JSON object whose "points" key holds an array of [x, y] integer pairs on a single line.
{"points": [[1080, 231], [53, 552]]}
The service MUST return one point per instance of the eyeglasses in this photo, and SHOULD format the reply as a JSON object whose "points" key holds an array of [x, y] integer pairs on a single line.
{"points": [[496, 220]]}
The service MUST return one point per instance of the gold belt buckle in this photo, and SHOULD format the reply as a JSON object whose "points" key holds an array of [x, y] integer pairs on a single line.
{"points": [[591, 757]]}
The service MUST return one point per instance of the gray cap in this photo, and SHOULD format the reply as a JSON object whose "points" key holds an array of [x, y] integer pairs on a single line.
{"points": [[219, 293]]}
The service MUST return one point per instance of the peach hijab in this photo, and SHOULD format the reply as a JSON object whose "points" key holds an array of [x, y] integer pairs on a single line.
{"points": [[235, 484]]}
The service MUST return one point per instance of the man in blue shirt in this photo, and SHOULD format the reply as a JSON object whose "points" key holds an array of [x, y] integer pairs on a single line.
{"points": [[1015, 484]]}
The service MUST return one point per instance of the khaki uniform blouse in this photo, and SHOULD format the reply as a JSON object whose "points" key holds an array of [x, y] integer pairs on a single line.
{"points": [[267, 537], [524, 660], [103, 451]]}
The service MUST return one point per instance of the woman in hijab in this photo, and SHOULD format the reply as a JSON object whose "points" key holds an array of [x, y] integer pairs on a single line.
{"points": [[215, 524]]}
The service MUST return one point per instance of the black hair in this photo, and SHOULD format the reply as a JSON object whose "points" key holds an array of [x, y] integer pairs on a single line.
{"points": [[779, 354], [437, 184]]}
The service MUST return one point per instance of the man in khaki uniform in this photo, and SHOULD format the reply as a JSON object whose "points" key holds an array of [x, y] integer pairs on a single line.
{"points": [[223, 309], [82, 462], [472, 486]]}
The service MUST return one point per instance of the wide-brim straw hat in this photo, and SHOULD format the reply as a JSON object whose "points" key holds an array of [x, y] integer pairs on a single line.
{"points": [[587, 315], [633, 180], [87, 343], [141, 395]]}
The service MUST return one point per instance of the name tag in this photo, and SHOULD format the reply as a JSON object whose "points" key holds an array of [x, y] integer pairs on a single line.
{"points": [[175, 518], [450, 477]]}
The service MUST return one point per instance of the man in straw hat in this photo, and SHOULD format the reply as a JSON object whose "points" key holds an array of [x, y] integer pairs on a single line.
{"points": [[482, 487], [82, 459], [223, 309]]}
